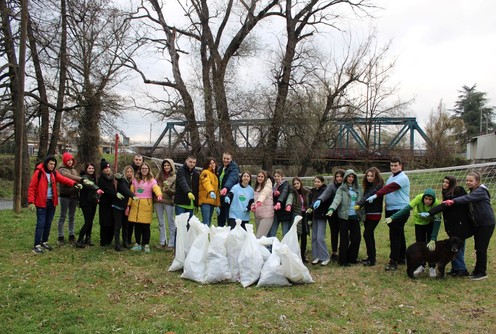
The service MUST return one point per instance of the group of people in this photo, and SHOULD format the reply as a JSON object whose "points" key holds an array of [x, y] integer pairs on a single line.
{"points": [[126, 202]]}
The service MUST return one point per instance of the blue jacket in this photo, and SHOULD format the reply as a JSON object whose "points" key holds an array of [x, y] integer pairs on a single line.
{"points": [[479, 201], [231, 176]]}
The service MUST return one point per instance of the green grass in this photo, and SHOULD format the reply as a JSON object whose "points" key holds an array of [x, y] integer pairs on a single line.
{"points": [[97, 290]]}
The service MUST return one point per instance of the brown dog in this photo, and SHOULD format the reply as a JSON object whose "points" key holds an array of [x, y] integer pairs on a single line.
{"points": [[418, 253]]}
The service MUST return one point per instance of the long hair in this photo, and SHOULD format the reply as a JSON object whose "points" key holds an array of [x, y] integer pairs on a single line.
{"points": [[93, 176], [260, 186], [378, 180], [148, 176], [241, 177]]}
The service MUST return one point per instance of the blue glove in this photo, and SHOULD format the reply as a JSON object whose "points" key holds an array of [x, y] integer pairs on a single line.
{"points": [[371, 198], [316, 204], [227, 200], [424, 214], [212, 195], [217, 210]]}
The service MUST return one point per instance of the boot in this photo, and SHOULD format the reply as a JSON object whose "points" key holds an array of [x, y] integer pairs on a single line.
{"points": [[60, 241], [80, 244], [88, 242], [118, 247], [125, 244], [72, 239]]}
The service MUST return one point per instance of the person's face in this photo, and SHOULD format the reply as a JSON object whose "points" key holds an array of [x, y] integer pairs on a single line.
{"points": [[470, 182], [277, 178], [260, 178], [138, 160], [191, 163], [445, 184], [297, 185], [395, 167], [70, 163], [350, 178], [144, 170], [90, 170], [339, 178], [107, 170], [226, 159], [129, 173], [167, 167], [212, 165], [51, 165], [245, 178], [370, 177], [428, 200], [317, 183]]}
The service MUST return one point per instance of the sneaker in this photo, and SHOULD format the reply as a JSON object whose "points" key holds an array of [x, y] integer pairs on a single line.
{"points": [[46, 246], [418, 271], [391, 266], [432, 272], [461, 273], [161, 247], [325, 262], [334, 257], [137, 248], [80, 244], [315, 261], [368, 263], [147, 249], [38, 249], [72, 239], [478, 277], [60, 241]]}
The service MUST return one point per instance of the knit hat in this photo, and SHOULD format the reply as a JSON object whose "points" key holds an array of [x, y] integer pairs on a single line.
{"points": [[104, 164]]}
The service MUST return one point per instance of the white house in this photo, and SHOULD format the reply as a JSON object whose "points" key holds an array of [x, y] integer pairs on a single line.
{"points": [[482, 147]]}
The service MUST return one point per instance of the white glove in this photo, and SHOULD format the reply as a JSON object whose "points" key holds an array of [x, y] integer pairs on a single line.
{"points": [[371, 198], [424, 214], [431, 245], [388, 220], [78, 186], [119, 196]]}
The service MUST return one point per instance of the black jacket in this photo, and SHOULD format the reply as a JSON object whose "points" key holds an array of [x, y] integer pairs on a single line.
{"points": [[321, 211], [88, 195], [123, 187], [479, 201], [283, 189], [187, 181]]}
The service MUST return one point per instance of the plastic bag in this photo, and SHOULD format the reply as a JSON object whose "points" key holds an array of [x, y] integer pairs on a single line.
{"points": [[181, 230], [292, 266], [291, 238], [217, 266], [195, 263], [250, 259], [272, 273], [235, 241]]}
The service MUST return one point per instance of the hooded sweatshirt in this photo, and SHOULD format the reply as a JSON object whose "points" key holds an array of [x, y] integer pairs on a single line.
{"points": [[69, 172], [346, 197], [417, 204]]}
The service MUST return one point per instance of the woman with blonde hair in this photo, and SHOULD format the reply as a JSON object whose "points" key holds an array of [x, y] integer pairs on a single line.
{"points": [[263, 206]]}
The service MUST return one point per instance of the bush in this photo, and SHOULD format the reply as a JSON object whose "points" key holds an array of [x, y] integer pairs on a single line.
{"points": [[6, 167]]}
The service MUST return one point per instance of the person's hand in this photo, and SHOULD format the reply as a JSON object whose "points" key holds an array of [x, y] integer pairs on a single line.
{"points": [[388, 220], [118, 176], [135, 198], [371, 198], [316, 204], [212, 195], [159, 198], [288, 208], [227, 200], [217, 210], [356, 207], [32, 207], [309, 211], [223, 191], [448, 202], [431, 245], [309, 223], [330, 212], [119, 196], [87, 182], [99, 192], [126, 212], [191, 196], [166, 184], [253, 207], [78, 186], [277, 193], [424, 214], [277, 206], [258, 204]]}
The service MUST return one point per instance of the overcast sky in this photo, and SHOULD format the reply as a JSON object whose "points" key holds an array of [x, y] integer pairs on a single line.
{"points": [[440, 46]]}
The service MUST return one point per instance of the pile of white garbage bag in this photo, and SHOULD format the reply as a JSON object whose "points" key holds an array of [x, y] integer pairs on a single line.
{"points": [[219, 254]]}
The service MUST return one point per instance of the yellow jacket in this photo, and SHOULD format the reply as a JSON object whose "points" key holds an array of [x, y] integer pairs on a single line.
{"points": [[208, 182], [142, 210]]}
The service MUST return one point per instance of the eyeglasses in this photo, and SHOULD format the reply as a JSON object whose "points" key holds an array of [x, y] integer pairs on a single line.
{"points": [[144, 168]]}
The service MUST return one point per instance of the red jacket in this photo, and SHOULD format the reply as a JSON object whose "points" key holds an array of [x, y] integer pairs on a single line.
{"points": [[38, 187]]}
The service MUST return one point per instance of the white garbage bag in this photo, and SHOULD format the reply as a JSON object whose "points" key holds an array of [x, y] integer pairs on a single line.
{"points": [[180, 253], [250, 259], [235, 241], [195, 263], [292, 266], [291, 238], [272, 273], [217, 262]]}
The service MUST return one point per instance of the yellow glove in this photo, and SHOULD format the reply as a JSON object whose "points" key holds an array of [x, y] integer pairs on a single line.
{"points": [[191, 196], [32, 207], [356, 207]]}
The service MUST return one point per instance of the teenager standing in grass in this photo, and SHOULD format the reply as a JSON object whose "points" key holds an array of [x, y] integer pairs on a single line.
{"points": [[345, 203], [397, 194], [119, 205], [319, 222], [263, 206], [42, 197], [297, 203], [187, 185], [479, 201], [372, 182], [166, 180], [208, 194], [140, 211], [280, 192], [105, 211], [88, 201], [328, 196], [228, 175], [457, 222], [240, 199]]}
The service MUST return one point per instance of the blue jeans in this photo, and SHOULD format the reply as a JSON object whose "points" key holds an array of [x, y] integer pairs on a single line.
{"points": [[286, 225], [458, 262], [178, 210], [44, 217], [207, 212]]}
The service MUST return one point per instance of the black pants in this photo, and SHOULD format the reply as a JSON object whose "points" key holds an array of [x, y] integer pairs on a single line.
{"points": [[368, 236], [304, 235], [89, 212], [222, 218], [349, 241], [397, 238], [232, 223], [334, 227], [119, 218], [482, 236], [423, 232], [142, 233]]}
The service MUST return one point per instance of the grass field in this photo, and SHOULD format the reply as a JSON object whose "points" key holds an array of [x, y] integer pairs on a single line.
{"points": [[97, 290]]}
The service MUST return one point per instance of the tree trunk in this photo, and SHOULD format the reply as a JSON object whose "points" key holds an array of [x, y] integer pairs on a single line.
{"points": [[89, 139]]}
